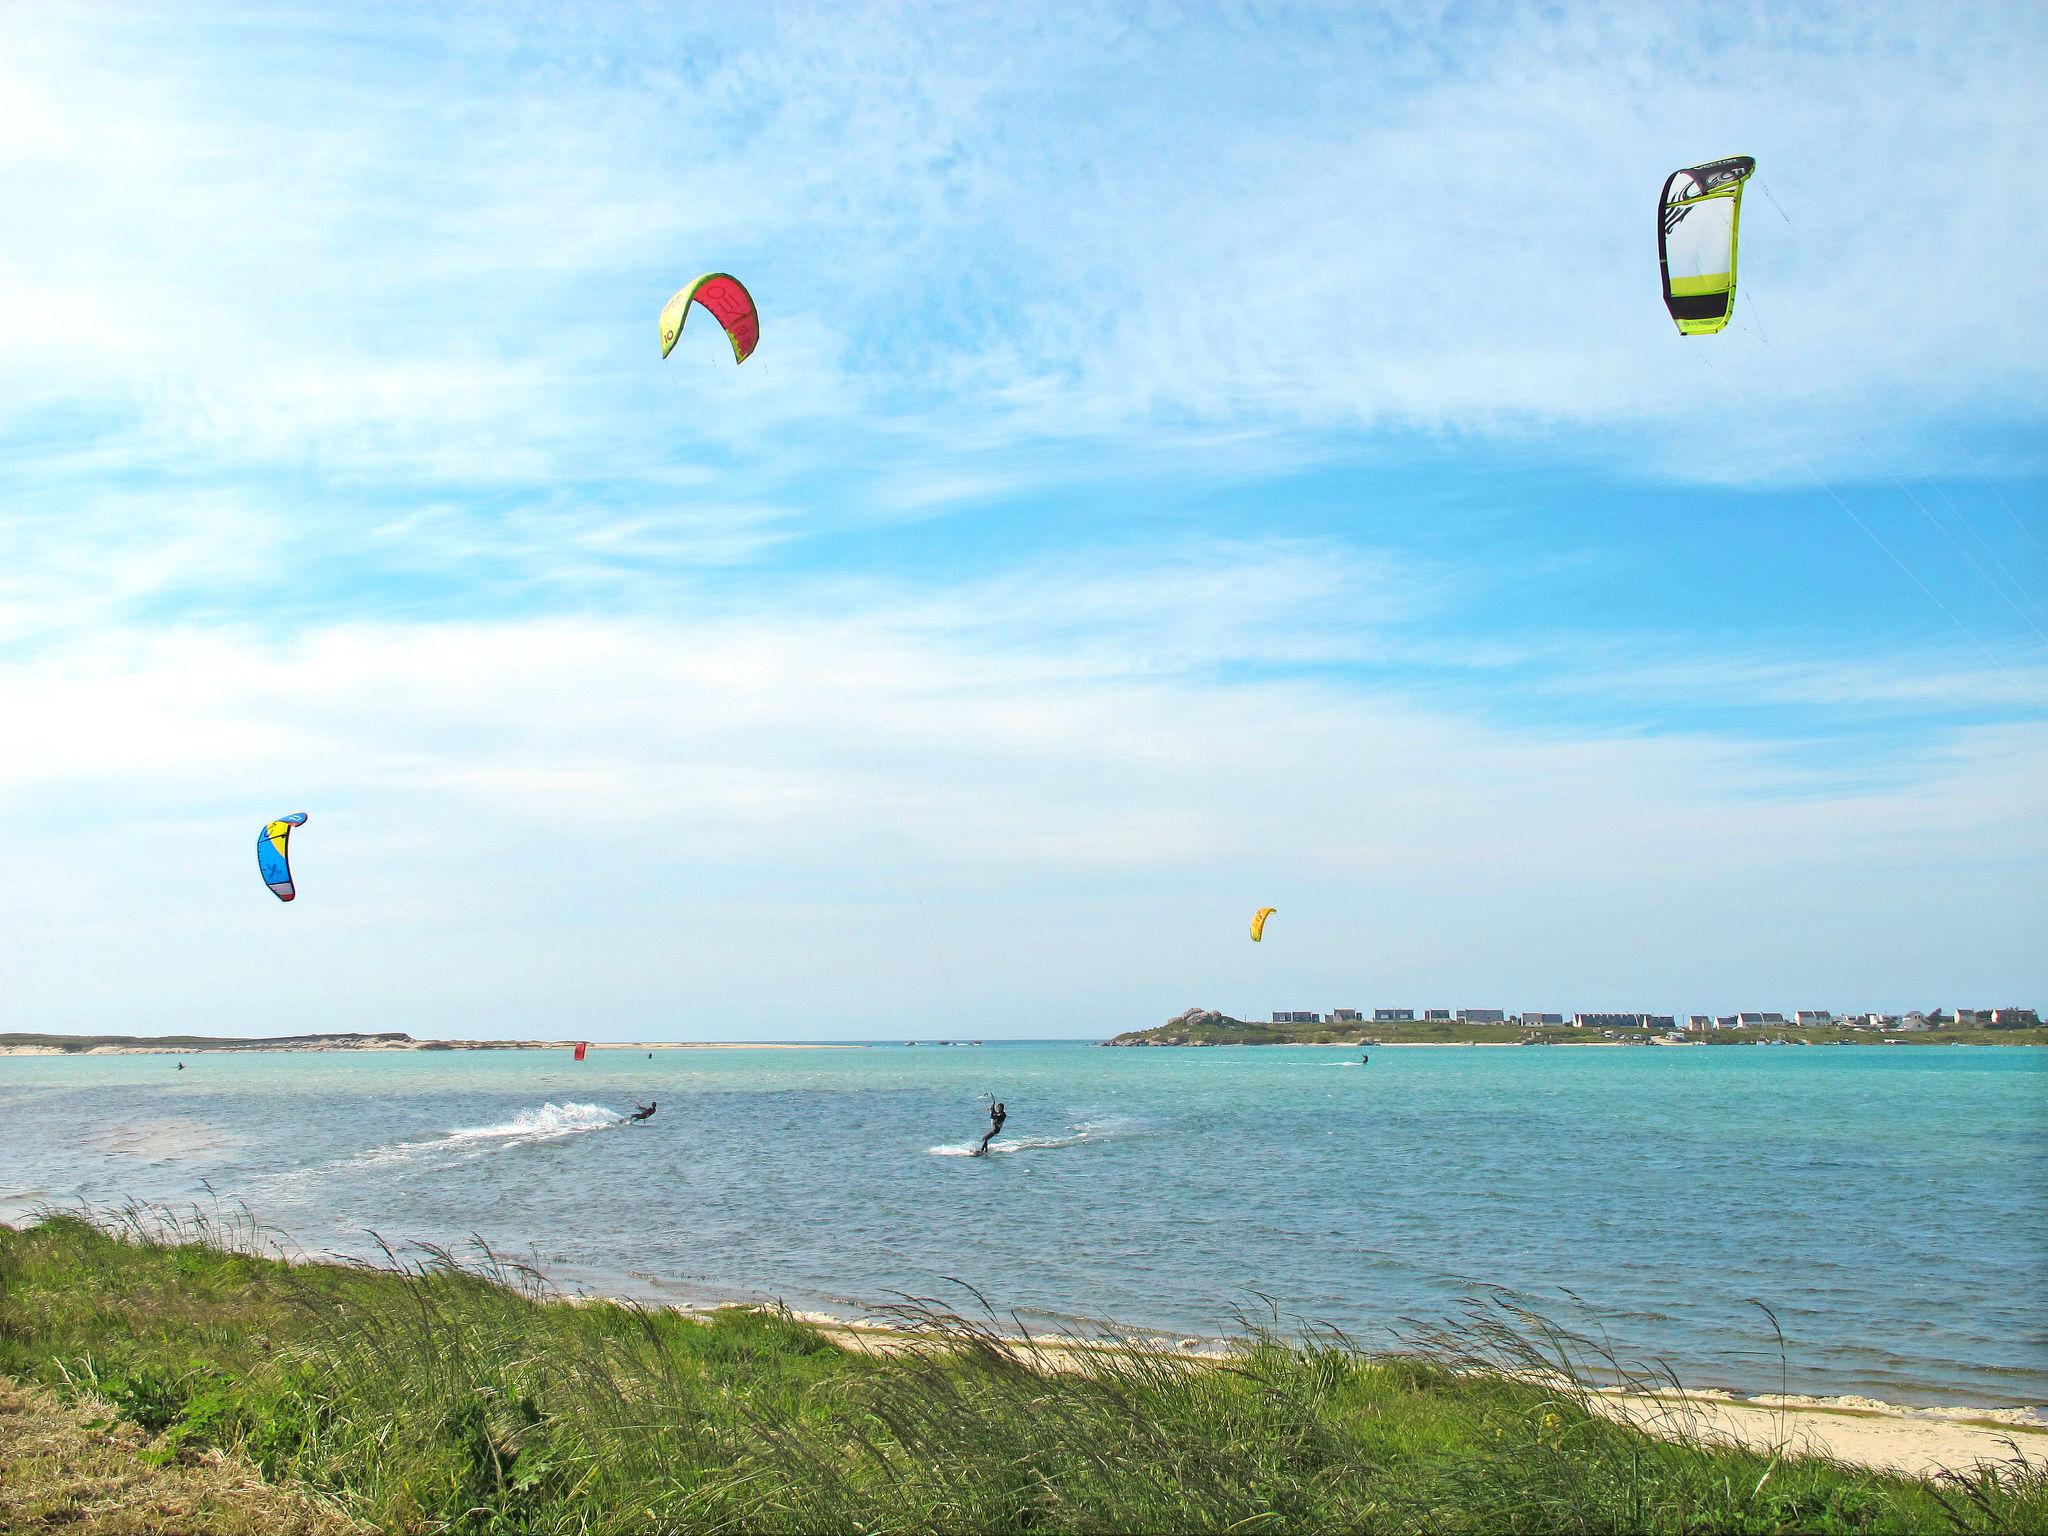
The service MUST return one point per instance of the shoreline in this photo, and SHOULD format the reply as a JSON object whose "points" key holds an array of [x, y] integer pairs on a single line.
{"points": [[429, 1394], [1850, 1431], [1854, 1427], [228, 1047], [864, 1326]]}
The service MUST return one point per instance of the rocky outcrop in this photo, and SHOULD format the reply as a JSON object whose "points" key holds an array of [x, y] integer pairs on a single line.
{"points": [[1195, 1026]]}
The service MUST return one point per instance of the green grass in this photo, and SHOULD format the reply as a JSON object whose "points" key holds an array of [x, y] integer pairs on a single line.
{"points": [[429, 1397]]}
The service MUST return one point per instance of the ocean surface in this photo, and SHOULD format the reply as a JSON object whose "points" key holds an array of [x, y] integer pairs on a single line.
{"points": [[1890, 1204]]}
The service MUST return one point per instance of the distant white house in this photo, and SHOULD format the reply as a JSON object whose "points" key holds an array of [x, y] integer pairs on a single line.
{"points": [[1481, 1016], [1699, 1022], [1393, 1015], [1297, 1018], [1758, 1020], [1345, 1016], [1542, 1018], [1813, 1016], [1443, 1014]]}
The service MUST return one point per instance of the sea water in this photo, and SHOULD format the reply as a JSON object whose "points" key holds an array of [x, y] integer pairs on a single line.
{"points": [[1888, 1204]]}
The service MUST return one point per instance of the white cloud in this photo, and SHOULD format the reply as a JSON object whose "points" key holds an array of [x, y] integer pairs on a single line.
{"points": [[561, 823]]}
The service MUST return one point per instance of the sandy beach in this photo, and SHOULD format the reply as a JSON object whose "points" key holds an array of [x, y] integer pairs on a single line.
{"points": [[1860, 1432]]}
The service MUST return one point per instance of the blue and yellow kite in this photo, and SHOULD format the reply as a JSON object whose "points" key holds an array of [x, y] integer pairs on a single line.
{"points": [[273, 854]]}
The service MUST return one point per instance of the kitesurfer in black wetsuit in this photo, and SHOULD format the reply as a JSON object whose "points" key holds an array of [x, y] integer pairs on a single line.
{"points": [[996, 1116], [644, 1112]]}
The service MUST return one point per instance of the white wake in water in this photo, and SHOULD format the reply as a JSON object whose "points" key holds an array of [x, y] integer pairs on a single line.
{"points": [[1086, 1131], [550, 1122], [530, 1127]]}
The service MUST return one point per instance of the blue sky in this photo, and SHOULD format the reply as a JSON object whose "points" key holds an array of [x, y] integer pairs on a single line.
{"points": [[1192, 462]]}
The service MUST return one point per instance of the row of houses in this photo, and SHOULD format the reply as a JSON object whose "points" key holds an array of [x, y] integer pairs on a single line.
{"points": [[1697, 1023], [1890, 1023]]}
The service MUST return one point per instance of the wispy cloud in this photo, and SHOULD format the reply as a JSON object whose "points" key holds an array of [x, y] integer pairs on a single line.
{"points": [[440, 253], [1028, 773]]}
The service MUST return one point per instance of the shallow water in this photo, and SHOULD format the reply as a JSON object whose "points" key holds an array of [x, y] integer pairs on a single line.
{"points": [[1887, 1203]]}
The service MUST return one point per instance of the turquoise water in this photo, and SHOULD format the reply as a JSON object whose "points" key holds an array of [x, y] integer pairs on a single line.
{"points": [[1888, 1203]]}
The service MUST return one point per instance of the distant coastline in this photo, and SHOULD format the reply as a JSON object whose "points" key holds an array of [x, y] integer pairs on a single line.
{"points": [[1206, 1027], [183, 1045]]}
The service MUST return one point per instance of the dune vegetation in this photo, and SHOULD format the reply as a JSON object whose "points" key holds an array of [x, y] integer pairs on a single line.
{"points": [[438, 1396]]}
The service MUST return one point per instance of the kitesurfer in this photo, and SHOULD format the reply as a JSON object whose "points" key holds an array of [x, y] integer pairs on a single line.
{"points": [[644, 1111], [996, 1116]]}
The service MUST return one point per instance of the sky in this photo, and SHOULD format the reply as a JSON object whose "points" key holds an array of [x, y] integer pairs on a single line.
{"points": [[1196, 459]]}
